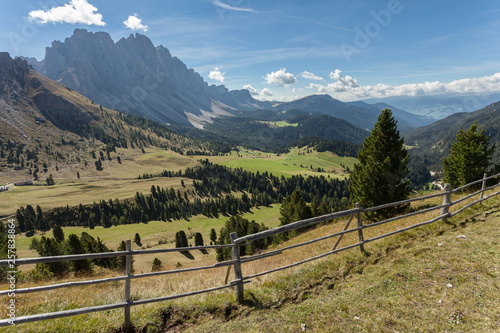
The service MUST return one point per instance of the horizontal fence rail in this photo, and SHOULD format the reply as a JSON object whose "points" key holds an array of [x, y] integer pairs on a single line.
{"points": [[236, 262]]}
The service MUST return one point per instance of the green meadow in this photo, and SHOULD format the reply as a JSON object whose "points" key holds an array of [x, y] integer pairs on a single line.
{"points": [[156, 234], [290, 164]]}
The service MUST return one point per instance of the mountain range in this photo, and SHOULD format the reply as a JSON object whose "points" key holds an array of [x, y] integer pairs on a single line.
{"points": [[439, 106], [438, 136], [136, 77], [43, 121]]}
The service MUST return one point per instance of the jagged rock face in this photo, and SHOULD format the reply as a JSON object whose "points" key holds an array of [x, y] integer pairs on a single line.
{"points": [[12, 71], [131, 75], [238, 99]]}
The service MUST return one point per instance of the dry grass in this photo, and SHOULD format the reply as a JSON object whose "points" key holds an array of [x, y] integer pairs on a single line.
{"points": [[396, 287]]}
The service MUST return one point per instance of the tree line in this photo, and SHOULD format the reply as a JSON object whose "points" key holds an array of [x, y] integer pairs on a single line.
{"points": [[214, 193], [58, 245]]}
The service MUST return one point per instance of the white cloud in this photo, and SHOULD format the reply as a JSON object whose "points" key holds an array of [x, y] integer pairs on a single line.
{"points": [[77, 11], [217, 75], [223, 5], [135, 23], [281, 78], [266, 92], [310, 76], [251, 89], [343, 81], [347, 88], [254, 92]]}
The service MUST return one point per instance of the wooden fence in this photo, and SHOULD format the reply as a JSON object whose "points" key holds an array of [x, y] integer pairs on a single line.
{"points": [[236, 242]]}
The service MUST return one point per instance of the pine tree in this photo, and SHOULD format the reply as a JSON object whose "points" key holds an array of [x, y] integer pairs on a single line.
{"points": [[74, 246], [58, 233], [294, 209], [380, 175], [181, 239], [213, 235], [50, 181], [469, 158], [157, 265], [137, 239], [98, 165], [198, 239]]}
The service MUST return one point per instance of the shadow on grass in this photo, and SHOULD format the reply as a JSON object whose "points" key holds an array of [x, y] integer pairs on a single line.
{"points": [[203, 251], [187, 254]]}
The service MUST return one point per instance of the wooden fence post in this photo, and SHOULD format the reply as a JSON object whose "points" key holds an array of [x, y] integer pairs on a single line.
{"points": [[238, 275], [484, 185], [360, 231], [128, 272], [446, 201]]}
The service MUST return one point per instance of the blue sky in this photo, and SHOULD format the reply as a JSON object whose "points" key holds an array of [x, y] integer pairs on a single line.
{"points": [[283, 50]]}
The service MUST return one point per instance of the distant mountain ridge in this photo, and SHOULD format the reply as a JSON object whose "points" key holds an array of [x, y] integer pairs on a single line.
{"points": [[136, 77], [434, 141], [131, 75], [439, 106], [360, 114]]}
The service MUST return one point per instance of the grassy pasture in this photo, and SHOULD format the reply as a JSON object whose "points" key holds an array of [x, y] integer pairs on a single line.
{"points": [[442, 278], [120, 180], [281, 123], [155, 231], [288, 164]]}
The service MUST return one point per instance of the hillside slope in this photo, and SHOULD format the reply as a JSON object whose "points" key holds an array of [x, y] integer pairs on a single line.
{"points": [[435, 140], [359, 114], [441, 278], [43, 121]]}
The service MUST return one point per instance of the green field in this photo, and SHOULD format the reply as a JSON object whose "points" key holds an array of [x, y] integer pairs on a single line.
{"points": [[153, 232], [120, 180], [282, 123], [289, 164]]}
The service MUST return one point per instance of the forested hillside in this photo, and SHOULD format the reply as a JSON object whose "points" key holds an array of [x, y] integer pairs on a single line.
{"points": [[432, 143]]}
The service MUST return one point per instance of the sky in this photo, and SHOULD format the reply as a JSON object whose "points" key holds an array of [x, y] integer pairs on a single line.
{"points": [[287, 49]]}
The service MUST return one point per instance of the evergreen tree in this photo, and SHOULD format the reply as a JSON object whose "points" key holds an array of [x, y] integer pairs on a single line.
{"points": [[198, 239], [20, 221], [157, 265], [98, 165], [48, 247], [105, 221], [74, 246], [181, 239], [380, 175], [469, 158], [50, 181], [294, 209], [58, 233], [137, 239], [213, 235]]}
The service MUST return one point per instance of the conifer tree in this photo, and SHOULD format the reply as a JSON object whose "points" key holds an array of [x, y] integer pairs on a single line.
{"points": [[137, 239], [380, 175], [181, 239], [213, 235], [74, 246], [157, 265], [294, 209], [198, 239], [469, 158], [58, 233]]}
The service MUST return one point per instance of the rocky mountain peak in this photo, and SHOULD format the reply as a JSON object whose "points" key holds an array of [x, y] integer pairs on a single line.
{"points": [[131, 75], [12, 70]]}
